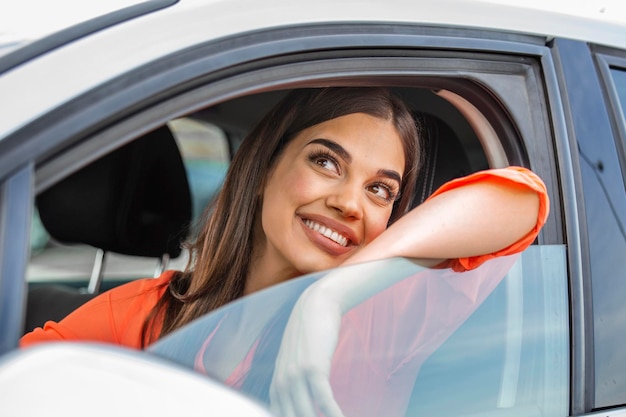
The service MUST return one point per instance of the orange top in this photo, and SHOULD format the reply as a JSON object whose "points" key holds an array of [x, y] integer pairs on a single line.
{"points": [[117, 316], [514, 177]]}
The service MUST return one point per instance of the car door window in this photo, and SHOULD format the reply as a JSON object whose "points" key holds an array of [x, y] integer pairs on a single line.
{"points": [[206, 154], [605, 206], [492, 341]]}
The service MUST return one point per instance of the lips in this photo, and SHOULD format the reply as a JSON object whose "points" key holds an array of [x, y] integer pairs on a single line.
{"points": [[329, 235], [327, 232]]}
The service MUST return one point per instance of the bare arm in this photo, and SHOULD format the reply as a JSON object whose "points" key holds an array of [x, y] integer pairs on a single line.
{"points": [[478, 218], [472, 220]]}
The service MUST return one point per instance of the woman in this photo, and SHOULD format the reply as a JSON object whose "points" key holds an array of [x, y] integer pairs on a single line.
{"points": [[316, 185]]}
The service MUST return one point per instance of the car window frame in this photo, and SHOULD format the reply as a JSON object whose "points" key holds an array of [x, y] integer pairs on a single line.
{"points": [[16, 201], [91, 133]]}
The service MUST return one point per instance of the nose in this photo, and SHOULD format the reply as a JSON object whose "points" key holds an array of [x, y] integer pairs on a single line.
{"points": [[346, 199]]}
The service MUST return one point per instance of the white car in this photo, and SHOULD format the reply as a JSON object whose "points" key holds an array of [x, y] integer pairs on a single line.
{"points": [[173, 87]]}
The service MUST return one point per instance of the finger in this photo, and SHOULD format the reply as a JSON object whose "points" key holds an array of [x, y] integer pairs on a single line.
{"points": [[323, 395]]}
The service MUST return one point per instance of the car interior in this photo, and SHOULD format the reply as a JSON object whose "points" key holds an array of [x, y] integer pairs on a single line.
{"points": [[141, 196], [134, 201]]}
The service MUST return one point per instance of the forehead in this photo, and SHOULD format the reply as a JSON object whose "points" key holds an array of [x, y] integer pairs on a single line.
{"points": [[361, 135]]}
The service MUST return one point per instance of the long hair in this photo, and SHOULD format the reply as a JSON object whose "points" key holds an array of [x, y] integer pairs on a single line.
{"points": [[221, 253]]}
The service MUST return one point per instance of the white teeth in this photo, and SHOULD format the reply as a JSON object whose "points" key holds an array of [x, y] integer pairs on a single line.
{"points": [[325, 231]]}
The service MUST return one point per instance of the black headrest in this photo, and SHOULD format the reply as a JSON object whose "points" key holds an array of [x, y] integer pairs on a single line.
{"points": [[445, 157], [134, 201]]}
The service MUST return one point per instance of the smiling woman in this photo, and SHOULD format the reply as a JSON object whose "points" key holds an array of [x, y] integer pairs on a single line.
{"points": [[335, 194], [259, 254], [316, 185]]}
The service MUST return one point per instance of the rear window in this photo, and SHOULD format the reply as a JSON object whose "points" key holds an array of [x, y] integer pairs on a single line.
{"points": [[205, 151]]}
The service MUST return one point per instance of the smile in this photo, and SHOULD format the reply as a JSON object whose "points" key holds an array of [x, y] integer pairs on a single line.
{"points": [[326, 232]]}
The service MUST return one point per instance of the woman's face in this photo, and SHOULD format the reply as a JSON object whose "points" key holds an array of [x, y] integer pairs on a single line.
{"points": [[330, 193]]}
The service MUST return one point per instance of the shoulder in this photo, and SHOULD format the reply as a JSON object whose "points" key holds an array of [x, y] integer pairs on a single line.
{"points": [[142, 287], [130, 304], [136, 298], [115, 316]]}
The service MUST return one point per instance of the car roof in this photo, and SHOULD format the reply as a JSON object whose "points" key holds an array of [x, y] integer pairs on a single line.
{"points": [[25, 21], [28, 20], [120, 46]]}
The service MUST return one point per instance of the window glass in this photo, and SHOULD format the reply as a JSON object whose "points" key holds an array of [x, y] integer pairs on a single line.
{"points": [[427, 342], [204, 148], [605, 207]]}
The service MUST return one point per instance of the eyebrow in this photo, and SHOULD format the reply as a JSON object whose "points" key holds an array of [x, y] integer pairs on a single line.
{"points": [[345, 155], [391, 174], [335, 147]]}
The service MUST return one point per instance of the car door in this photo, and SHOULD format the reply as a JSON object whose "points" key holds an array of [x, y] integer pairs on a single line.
{"points": [[498, 92]]}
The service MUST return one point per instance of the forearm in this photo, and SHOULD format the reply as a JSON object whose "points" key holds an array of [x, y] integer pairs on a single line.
{"points": [[472, 220], [479, 215]]}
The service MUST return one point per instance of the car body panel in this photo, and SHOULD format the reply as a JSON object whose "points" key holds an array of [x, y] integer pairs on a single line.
{"points": [[191, 23], [137, 382]]}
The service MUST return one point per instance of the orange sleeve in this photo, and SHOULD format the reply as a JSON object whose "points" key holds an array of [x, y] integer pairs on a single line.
{"points": [[115, 316], [513, 177]]}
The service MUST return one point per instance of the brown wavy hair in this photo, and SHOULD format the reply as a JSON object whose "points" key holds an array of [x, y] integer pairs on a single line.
{"points": [[220, 255]]}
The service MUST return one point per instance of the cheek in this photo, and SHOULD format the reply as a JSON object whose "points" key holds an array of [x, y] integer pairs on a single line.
{"points": [[376, 225], [300, 185]]}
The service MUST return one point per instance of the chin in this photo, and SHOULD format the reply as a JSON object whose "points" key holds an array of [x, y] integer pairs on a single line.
{"points": [[319, 265]]}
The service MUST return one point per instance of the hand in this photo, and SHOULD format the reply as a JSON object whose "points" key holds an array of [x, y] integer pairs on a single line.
{"points": [[300, 385]]}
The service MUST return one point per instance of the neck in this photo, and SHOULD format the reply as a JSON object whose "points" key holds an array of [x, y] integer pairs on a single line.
{"points": [[265, 271]]}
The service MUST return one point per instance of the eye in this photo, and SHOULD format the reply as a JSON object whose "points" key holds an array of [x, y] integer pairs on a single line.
{"points": [[383, 191], [325, 161]]}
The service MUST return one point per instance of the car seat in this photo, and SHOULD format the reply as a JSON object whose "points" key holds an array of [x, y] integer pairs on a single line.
{"points": [[444, 160], [134, 201]]}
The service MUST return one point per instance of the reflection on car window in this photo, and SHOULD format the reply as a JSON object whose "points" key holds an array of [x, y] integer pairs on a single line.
{"points": [[492, 340], [605, 208], [204, 148]]}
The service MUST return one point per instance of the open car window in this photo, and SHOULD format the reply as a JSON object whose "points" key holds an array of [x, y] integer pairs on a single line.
{"points": [[492, 341], [206, 140]]}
